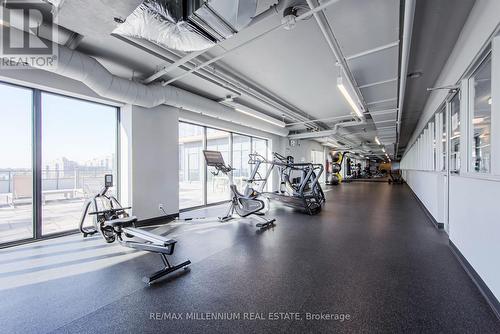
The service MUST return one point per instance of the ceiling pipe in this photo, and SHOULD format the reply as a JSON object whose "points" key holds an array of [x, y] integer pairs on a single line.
{"points": [[330, 38], [327, 31], [226, 81], [272, 10], [325, 133], [409, 15], [170, 67], [228, 52], [82, 68], [331, 119]]}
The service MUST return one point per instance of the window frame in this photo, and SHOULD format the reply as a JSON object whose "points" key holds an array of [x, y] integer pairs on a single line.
{"points": [[487, 56], [36, 152], [231, 158]]}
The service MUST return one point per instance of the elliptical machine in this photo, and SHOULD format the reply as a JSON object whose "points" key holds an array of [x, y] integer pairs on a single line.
{"points": [[113, 222], [244, 205]]}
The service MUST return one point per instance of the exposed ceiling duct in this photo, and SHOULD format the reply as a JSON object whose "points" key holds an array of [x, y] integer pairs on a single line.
{"points": [[187, 25], [87, 70], [82, 68], [326, 133]]}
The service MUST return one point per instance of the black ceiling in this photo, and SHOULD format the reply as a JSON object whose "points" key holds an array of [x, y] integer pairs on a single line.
{"points": [[436, 27]]}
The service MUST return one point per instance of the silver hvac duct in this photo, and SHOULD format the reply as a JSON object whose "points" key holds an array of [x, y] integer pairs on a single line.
{"points": [[188, 25]]}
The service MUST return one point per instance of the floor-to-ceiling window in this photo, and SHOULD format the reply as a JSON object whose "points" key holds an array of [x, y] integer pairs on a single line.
{"points": [[191, 165], [78, 149], [241, 150], [55, 151], [218, 185], [260, 147], [16, 176], [197, 185]]}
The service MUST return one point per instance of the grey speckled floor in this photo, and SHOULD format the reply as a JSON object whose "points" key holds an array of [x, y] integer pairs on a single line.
{"points": [[371, 254]]}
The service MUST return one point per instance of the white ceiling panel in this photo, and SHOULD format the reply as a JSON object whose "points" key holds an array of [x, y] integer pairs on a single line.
{"points": [[380, 92], [361, 25], [375, 67], [384, 116]]}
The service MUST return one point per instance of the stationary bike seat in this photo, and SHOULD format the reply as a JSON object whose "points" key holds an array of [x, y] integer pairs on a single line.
{"points": [[121, 222]]}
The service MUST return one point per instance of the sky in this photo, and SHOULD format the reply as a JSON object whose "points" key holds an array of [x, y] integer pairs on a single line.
{"points": [[71, 128]]}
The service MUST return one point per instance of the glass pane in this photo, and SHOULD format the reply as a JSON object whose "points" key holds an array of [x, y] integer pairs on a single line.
{"points": [[455, 134], [260, 146], [480, 87], [218, 186], [443, 140], [191, 165], [78, 149], [434, 139], [241, 150], [16, 184]]}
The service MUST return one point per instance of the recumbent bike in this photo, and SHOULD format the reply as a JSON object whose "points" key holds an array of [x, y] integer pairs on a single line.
{"points": [[113, 222]]}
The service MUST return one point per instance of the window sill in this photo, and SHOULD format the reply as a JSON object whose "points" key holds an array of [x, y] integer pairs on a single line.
{"points": [[478, 176]]}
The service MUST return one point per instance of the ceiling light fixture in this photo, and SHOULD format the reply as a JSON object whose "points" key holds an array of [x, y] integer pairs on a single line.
{"points": [[262, 118], [377, 141], [489, 101], [348, 97]]}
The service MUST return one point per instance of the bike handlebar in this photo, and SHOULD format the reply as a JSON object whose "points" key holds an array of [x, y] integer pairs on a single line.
{"points": [[113, 210]]}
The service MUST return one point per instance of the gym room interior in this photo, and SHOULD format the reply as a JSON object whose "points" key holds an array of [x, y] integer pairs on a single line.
{"points": [[249, 166]]}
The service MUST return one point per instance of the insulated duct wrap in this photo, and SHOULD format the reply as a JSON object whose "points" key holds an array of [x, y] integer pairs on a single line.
{"points": [[80, 67], [153, 21], [189, 25]]}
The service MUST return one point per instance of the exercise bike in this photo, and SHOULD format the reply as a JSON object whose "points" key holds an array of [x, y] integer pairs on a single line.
{"points": [[245, 205], [113, 222]]}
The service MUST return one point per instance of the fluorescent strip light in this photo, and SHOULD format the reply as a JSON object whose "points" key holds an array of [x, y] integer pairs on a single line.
{"points": [[262, 118], [383, 149], [348, 97], [377, 140]]}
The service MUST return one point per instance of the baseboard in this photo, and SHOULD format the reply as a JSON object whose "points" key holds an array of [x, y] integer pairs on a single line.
{"points": [[439, 226], [157, 220], [478, 281]]}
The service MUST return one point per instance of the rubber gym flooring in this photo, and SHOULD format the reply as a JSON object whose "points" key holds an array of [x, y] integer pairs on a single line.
{"points": [[371, 257]]}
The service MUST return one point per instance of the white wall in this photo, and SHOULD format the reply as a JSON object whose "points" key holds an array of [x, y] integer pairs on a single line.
{"points": [[429, 187], [474, 226], [149, 139], [302, 151]]}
